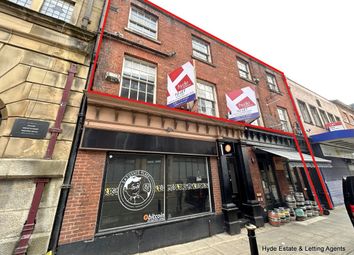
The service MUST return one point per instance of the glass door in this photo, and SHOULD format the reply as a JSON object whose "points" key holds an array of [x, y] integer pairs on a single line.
{"points": [[269, 184]]}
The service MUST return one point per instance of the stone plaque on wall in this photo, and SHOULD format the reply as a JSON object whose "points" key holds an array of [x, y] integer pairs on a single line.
{"points": [[30, 128]]}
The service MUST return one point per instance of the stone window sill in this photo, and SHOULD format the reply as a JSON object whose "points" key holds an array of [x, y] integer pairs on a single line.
{"points": [[203, 61], [142, 35]]}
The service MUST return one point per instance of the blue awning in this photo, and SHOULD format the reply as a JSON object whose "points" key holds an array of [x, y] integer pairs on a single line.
{"points": [[339, 138]]}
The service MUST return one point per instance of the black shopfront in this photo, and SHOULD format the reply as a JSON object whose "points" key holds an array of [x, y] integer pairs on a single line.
{"points": [[239, 202], [157, 191]]}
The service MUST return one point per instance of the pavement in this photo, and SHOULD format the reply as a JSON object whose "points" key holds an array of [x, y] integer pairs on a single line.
{"points": [[333, 234]]}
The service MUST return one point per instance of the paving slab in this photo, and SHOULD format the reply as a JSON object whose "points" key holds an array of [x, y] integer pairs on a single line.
{"points": [[331, 234]]}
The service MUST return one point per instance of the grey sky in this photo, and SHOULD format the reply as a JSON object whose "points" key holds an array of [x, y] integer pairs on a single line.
{"points": [[311, 41]]}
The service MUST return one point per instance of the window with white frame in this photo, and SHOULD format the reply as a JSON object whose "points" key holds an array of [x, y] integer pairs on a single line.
{"points": [[243, 69], [62, 10], [324, 117], [284, 120], [139, 78], [304, 111], [24, 3], [352, 119], [143, 22], [331, 117], [337, 118], [206, 98], [316, 116], [272, 82], [201, 49], [345, 117]]}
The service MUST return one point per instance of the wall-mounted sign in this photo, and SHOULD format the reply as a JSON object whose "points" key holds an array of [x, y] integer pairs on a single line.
{"points": [[242, 104], [334, 126], [30, 128], [181, 85], [336, 152]]}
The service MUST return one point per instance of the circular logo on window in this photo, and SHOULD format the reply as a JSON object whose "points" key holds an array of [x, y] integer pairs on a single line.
{"points": [[136, 190]]}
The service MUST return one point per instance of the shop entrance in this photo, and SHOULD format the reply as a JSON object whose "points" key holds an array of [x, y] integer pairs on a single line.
{"points": [[269, 182], [234, 177], [293, 178]]}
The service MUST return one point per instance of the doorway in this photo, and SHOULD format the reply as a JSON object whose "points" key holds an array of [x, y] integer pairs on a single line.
{"points": [[234, 181], [269, 182]]}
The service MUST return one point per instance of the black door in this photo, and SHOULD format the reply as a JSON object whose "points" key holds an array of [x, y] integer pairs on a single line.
{"points": [[234, 181]]}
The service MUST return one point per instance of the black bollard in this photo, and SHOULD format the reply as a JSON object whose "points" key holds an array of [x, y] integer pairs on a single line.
{"points": [[252, 238]]}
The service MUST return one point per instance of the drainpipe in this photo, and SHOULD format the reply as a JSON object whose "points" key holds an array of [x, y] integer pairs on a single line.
{"points": [[28, 227], [54, 240], [65, 188]]}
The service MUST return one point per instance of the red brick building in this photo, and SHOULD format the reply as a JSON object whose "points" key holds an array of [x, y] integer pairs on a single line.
{"points": [[148, 176]]}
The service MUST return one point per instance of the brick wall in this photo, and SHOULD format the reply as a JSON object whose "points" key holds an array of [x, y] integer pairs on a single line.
{"points": [[175, 36], [83, 202], [216, 185], [283, 183]]}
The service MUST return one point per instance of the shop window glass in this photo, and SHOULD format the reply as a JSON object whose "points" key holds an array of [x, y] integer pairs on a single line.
{"points": [[133, 190], [136, 193], [187, 186]]}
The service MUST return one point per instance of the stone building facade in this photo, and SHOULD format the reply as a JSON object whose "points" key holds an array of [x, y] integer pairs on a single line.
{"points": [[346, 112], [45, 52], [203, 174], [329, 127], [315, 110]]}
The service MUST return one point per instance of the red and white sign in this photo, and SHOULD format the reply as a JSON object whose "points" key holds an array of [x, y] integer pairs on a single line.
{"points": [[181, 85], [338, 125], [242, 104]]}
